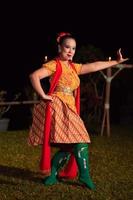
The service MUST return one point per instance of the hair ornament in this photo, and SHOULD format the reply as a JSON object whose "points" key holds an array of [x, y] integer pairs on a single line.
{"points": [[62, 34]]}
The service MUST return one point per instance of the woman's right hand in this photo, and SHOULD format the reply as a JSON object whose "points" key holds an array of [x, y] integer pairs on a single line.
{"points": [[47, 98]]}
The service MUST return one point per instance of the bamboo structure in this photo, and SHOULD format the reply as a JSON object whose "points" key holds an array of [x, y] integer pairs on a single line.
{"points": [[108, 78], [13, 103]]}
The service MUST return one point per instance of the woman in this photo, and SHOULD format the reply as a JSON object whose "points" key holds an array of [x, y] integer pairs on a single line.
{"points": [[56, 120]]}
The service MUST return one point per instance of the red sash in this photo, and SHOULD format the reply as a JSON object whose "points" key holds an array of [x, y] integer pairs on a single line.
{"points": [[70, 170]]}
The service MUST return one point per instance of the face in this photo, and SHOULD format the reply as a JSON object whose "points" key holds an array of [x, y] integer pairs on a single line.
{"points": [[67, 49]]}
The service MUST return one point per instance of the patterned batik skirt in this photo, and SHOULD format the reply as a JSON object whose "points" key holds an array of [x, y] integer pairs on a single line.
{"points": [[66, 125]]}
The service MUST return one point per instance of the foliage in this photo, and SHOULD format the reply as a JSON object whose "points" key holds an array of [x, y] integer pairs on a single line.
{"points": [[111, 169]]}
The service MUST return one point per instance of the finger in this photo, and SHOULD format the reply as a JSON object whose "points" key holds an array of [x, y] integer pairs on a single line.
{"points": [[119, 50], [47, 99], [125, 59]]}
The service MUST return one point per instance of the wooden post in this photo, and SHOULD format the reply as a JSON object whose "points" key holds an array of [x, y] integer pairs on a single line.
{"points": [[106, 115], [108, 77]]}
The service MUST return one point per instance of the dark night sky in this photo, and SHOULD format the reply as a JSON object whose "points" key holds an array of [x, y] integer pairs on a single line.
{"points": [[28, 32]]}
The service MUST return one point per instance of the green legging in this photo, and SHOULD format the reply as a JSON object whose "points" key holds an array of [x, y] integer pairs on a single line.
{"points": [[58, 161], [82, 158]]}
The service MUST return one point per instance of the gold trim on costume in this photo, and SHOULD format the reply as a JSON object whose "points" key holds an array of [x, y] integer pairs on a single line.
{"points": [[66, 90]]}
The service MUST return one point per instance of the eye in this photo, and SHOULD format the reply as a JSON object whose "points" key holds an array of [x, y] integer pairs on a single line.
{"points": [[69, 47], [66, 46]]}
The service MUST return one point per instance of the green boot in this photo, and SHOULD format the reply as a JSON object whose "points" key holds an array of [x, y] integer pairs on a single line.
{"points": [[58, 161], [82, 159]]}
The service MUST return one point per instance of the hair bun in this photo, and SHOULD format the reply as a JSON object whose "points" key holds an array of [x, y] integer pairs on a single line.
{"points": [[62, 34]]}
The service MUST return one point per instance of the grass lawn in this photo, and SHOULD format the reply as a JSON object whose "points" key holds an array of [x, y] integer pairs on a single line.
{"points": [[111, 169]]}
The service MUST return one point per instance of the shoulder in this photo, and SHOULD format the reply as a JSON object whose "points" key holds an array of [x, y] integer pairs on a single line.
{"points": [[77, 67], [50, 65]]}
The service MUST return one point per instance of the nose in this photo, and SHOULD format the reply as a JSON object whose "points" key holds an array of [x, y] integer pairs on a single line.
{"points": [[70, 50]]}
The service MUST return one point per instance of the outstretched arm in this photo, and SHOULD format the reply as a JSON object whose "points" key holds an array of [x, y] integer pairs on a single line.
{"points": [[35, 78], [100, 65]]}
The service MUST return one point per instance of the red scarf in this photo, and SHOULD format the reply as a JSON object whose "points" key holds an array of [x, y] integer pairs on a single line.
{"points": [[70, 170]]}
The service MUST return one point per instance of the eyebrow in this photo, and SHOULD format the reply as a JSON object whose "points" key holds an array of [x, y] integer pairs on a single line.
{"points": [[67, 45]]}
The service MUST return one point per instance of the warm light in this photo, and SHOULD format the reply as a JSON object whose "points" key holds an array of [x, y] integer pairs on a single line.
{"points": [[45, 58]]}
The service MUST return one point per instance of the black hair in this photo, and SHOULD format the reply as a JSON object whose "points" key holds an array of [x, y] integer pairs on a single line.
{"points": [[61, 38]]}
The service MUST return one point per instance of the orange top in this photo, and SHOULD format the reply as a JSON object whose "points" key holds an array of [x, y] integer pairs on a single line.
{"points": [[68, 79]]}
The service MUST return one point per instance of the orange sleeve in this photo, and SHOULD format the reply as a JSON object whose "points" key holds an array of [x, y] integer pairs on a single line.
{"points": [[51, 66], [78, 67]]}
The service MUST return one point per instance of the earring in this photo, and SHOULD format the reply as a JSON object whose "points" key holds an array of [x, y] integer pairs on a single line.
{"points": [[59, 50]]}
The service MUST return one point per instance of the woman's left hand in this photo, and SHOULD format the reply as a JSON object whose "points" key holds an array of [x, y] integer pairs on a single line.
{"points": [[120, 58]]}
